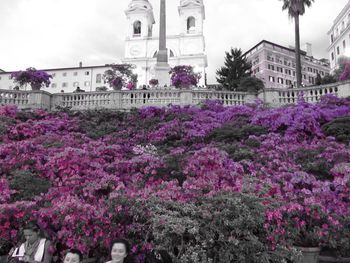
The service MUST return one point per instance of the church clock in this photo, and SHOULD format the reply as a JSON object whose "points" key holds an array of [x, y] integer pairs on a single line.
{"points": [[135, 50]]}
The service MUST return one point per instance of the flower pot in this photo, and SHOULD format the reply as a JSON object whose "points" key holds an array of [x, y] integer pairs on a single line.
{"points": [[329, 259], [36, 86], [309, 254]]}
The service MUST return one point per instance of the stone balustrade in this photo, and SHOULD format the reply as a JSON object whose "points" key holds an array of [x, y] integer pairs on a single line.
{"points": [[126, 100]]}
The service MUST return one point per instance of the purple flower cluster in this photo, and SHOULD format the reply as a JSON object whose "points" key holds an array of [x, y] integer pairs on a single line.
{"points": [[35, 78], [183, 76]]}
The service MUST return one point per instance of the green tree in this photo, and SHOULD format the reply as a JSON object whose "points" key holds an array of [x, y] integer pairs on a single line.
{"points": [[236, 67], [295, 9], [318, 79], [251, 84], [328, 78]]}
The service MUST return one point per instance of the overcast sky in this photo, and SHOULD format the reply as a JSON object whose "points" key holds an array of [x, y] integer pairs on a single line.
{"points": [[60, 33]]}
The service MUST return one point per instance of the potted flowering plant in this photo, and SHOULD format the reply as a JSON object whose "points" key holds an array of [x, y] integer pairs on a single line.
{"points": [[153, 82], [303, 226], [36, 78], [184, 76], [120, 75]]}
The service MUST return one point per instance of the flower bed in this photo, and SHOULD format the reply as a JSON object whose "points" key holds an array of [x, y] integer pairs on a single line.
{"points": [[186, 179]]}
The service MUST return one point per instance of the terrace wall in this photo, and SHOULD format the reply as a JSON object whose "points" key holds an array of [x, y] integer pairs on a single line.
{"points": [[125, 100]]}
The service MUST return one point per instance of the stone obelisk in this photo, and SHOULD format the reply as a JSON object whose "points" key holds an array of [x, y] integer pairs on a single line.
{"points": [[162, 67]]}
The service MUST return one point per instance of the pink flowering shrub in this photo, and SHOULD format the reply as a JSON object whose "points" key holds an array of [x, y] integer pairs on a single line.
{"points": [[107, 171]]}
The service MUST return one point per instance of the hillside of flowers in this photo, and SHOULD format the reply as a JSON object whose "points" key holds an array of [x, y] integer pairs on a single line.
{"points": [[207, 183]]}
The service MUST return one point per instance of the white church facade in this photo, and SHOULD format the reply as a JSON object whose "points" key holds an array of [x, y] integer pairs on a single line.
{"points": [[185, 48]]}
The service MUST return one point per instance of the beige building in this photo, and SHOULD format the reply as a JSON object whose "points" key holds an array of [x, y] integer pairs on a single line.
{"points": [[275, 65], [66, 79], [339, 37]]}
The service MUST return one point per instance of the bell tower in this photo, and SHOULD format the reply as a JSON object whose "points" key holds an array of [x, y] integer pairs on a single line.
{"points": [[192, 15], [140, 19]]}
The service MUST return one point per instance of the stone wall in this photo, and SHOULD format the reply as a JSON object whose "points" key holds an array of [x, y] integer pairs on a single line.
{"points": [[126, 100]]}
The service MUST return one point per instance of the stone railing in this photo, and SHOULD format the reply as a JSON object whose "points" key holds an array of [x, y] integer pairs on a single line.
{"points": [[126, 100], [16, 97]]}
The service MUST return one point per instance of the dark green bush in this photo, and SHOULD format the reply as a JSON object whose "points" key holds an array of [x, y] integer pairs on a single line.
{"points": [[252, 142], [338, 128], [224, 228], [5, 123], [27, 185], [98, 123], [237, 152], [311, 163], [230, 133]]}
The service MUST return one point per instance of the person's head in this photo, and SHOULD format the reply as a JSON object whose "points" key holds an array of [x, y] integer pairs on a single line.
{"points": [[120, 250], [31, 232], [73, 256], [159, 256]]}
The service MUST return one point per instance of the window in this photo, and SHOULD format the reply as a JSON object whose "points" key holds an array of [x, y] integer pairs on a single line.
{"points": [[171, 54], [64, 84], [137, 28], [271, 67], [332, 56], [53, 85], [293, 73], [0, 77], [338, 51], [191, 24], [344, 44], [64, 74], [87, 83], [75, 73], [87, 73], [75, 84], [332, 38], [98, 78], [280, 80], [53, 75], [271, 79]]}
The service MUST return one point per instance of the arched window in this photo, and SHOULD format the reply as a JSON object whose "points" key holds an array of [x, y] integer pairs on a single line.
{"points": [[191, 24], [137, 28]]}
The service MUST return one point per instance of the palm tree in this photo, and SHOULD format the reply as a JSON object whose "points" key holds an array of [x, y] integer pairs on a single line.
{"points": [[295, 9]]}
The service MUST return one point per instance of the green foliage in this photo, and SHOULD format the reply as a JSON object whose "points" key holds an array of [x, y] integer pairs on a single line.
{"points": [[27, 185], [338, 128], [311, 163], [5, 123], [224, 228], [328, 78], [230, 133], [236, 67], [98, 123], [296, 7], [342, 61], [237, 152], [251, 85], [252, 143], [173, 168]]}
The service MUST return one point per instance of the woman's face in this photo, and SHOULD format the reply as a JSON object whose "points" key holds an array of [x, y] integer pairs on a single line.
{"points": [[118, 252], [71, 258], [30, 235]]}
